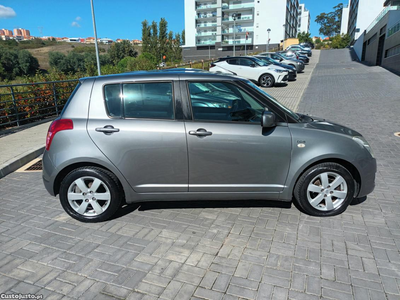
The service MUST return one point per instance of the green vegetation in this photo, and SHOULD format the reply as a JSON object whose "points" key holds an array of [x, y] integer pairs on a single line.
{"points": [[15, 63], [340, 41], [304, 37], [330, 22], [160, 44], [77, 60]]}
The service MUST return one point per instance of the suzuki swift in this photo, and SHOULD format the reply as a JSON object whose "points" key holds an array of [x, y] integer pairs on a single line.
{"points": [[192, 135]]}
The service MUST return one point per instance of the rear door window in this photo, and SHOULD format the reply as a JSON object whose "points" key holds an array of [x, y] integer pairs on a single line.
{"points": [[140, 100], [148, 100]]}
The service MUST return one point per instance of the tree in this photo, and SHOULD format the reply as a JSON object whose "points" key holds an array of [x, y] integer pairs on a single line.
{"points": [[330, 22], [154, 40], [183, 37], [118, 51], [16, 62], [340, 41], [162, 36], [145, 36], [304, 37]]}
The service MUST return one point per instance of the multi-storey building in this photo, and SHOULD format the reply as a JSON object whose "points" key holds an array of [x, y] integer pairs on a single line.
{"points": [[304, 19], [361, 14], [379, 44], [213, 27]]}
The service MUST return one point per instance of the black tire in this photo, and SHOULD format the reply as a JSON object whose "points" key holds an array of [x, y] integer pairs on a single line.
{"points": [[312, 177], [266, 80], [109, 184]]}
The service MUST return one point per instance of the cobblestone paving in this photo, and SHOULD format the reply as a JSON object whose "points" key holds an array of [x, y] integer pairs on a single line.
{"points": [[223, 250], [290, 95]]}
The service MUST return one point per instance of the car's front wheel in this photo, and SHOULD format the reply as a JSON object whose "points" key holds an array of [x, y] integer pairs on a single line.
{"points": [[325, 189], [90, 194], [266, 80]]}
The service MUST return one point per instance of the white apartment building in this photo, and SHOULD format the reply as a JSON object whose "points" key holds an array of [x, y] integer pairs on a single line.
{"points": [[212, 27], [304, 19], [345, 20], [361, 15]]}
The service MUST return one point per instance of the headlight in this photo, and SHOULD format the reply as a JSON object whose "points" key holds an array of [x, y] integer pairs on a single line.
{"points": [[279, 71], [363, 142]]}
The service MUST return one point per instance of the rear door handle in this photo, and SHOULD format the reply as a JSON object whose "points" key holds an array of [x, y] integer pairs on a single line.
{"points": [[108, 129], [200, 132]]}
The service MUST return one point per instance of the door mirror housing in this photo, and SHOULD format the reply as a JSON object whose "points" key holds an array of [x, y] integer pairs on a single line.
{"points": [[253, 65], [268, 119]]}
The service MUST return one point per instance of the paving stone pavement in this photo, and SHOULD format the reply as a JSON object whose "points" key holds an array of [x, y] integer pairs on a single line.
{"points": [[223, 250]]}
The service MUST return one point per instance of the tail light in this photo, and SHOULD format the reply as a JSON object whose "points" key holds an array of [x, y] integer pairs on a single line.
{"points": [[56, 126]]}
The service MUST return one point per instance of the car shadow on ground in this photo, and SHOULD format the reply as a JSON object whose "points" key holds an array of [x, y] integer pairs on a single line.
{"points": [[156, 205], [280, 85], [144, 206]]}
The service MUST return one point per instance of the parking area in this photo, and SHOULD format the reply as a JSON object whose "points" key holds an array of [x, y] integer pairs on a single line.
{"points": [[226, 249]]}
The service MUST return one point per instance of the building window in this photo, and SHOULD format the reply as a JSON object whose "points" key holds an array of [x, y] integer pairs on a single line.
{"points": [[392, 30], [392, 51]]}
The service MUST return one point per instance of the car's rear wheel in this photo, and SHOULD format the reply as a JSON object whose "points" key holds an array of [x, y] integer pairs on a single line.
{"points": [[266, 80], [90, 194], [325, 190]]}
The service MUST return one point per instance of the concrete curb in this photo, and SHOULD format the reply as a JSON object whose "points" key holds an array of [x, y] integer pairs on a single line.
{"points": [[22, 159]]}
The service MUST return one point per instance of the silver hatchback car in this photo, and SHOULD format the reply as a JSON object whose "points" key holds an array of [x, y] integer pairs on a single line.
{"points": [[191, 135]]}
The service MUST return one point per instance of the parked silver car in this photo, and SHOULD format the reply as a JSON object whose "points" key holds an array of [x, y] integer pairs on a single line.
{"points": [[299, 65], [190, 135]]}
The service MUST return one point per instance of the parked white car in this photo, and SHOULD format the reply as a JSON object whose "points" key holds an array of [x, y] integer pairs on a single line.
{"points": [[266, 75]]}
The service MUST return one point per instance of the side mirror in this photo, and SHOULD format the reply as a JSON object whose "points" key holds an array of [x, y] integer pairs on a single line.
{"points": [[281, 59], [253, 65], [268, 119]]}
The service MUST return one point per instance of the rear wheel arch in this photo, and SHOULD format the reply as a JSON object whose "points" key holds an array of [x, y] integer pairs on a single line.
{"points": [[64, 172]]}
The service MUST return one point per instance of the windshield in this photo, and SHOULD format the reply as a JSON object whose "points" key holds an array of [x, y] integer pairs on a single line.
{"points": [[276, 102], [261, 62]]}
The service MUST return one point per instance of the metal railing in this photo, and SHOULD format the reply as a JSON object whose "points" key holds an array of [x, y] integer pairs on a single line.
{"points": [[24, 103], [381, 15]]}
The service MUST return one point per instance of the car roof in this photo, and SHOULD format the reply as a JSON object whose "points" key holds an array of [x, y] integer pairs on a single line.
{"points": [[168, 74]]}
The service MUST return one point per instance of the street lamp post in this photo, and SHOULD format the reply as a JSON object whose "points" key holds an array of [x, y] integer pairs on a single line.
{"points": [[95, 39], [268, 31], [234, 33]]}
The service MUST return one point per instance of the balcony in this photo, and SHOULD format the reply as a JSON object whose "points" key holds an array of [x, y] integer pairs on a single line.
{"points": [[203, 7], [237, 7], [205, 42], [206, 16], [237, 42], [246, 18], [241, 30], [204, 25], [209, 33]]}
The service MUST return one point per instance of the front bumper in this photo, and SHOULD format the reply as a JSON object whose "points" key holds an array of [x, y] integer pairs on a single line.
{"points": [[282, 78], [367, 173], [292, 75]]}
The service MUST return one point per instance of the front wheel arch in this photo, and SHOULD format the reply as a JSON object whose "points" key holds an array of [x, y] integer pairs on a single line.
{"points": [[271, 84], [325, 189]]}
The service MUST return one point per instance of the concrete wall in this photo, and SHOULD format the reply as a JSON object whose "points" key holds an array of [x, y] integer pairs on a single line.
{"points": [[392, 63], [358, 46], [345, 20], [195, 54], [190, 23], [269, 14]]}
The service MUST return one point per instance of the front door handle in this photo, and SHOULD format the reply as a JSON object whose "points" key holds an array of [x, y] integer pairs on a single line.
{"points": [[200, 132], [108, 129]]}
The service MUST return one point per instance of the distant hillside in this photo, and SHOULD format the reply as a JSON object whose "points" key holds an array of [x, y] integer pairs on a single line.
{"points": [[42, 54]]}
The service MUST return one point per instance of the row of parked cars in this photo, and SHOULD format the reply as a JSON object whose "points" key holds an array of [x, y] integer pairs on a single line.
{"points": [[268, 68]]}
